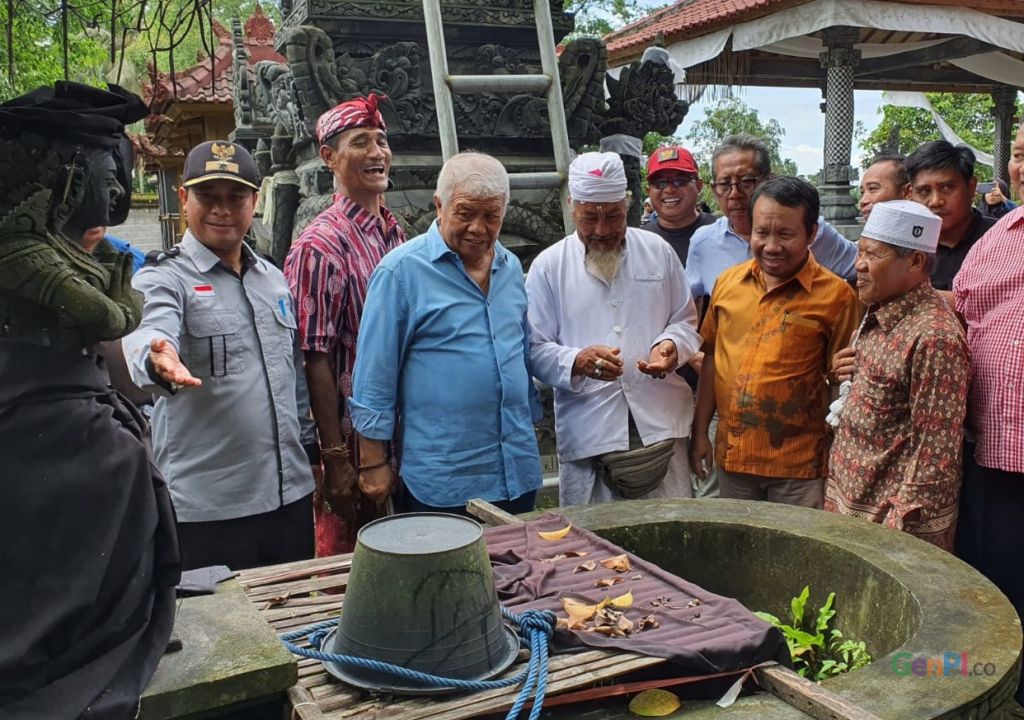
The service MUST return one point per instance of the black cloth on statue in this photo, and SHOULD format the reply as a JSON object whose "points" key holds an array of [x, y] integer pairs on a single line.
{"points": [[87, 542]]}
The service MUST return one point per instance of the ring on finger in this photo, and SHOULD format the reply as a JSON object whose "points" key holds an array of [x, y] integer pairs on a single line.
{"points": [[597, 372], [599, 364]]}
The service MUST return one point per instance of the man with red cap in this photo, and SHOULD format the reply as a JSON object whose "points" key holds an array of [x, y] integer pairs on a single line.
{"points": [[674, 185], [328, 269]]}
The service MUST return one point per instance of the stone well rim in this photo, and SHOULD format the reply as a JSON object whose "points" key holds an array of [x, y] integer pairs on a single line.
{"points": [[960, 610]]}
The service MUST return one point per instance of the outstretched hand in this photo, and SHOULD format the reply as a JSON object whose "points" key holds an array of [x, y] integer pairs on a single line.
{"points": [[663, 360], [169, 366]]}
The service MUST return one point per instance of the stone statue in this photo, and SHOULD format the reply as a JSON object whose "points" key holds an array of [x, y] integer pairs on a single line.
{"points": [[642, 100], [51, 290], [87, 537]]}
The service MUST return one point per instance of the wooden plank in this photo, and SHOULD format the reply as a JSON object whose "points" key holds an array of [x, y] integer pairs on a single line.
{"points": [[298, 587], [258, 581], [808, 697], [303, 607], [919, 60], [333, 700], [489, 514], [271, 570], [303, 704]]}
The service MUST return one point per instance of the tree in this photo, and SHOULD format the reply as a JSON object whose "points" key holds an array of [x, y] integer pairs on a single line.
{"points": [[903, 129], [728, 117], [32, 51], [597, 18], [107, 40]]}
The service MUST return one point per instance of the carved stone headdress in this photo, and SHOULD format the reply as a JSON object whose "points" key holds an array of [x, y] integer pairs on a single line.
{"points": [[44, 129]]}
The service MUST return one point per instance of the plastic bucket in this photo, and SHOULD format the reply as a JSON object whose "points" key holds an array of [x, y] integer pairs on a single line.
{"points": [[421, 595]]}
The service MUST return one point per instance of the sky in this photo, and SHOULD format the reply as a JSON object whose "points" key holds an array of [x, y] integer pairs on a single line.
{"points": [[798, 111]]}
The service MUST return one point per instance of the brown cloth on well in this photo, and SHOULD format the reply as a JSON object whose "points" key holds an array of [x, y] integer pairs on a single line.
{"points": [[716, 635]]}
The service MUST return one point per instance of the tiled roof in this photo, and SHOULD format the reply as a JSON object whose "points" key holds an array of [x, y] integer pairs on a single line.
{"points": [[194, 84], [689, 17], [686, 19]]}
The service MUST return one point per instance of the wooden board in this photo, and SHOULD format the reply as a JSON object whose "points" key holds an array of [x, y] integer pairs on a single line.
{"points": [[290, 596], [293, 595]]}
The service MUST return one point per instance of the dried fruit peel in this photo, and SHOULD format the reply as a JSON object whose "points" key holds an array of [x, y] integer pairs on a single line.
{"points": [[555, 534]]}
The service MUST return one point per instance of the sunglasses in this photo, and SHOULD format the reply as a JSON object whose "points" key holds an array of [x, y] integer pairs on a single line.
{"points": [[744, 185], [676, 182]]}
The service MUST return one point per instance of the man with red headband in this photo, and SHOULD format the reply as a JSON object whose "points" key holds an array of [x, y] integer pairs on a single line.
{"points": [[328, 268]]}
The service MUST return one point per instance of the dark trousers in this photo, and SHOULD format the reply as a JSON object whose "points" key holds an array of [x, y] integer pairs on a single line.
{"points": [[279, 536], [990, 531], [522, 504]]}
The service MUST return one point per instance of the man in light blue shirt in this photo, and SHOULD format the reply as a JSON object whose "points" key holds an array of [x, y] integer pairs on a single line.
{"points": [[442, 352], [740, 164]]}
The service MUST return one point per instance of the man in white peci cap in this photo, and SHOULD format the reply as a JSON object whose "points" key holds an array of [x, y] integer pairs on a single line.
{"points": [[896, 458], [611, 318]]}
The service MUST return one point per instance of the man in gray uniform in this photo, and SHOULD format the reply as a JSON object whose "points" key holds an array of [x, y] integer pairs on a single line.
{"points": [[217, 345]]}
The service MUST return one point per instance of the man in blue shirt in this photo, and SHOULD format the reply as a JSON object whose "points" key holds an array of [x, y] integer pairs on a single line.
{"points": [[93, 236], [740, 164], [443, 352]]}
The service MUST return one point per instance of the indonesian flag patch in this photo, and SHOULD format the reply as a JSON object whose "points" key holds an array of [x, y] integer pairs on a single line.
{"points": [[204, 290]]}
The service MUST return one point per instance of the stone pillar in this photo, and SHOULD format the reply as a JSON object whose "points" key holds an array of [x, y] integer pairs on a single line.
{"points": [[1004, 98], [837, 204]]}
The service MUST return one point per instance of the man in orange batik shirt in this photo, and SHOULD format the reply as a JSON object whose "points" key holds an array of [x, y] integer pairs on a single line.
{"points": [[772, 326]]}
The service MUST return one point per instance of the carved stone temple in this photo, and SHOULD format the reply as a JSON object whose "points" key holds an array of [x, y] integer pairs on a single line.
{"points": [[339, 49]]}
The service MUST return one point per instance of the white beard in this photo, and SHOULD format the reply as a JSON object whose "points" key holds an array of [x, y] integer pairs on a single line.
{"points": [[604, 263]]}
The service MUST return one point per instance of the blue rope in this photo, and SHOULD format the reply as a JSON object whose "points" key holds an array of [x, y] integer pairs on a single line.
{"points": [[536, 628]]}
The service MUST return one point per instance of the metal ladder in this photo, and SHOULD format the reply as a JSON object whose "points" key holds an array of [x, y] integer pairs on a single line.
{"points": [[548, 82]]}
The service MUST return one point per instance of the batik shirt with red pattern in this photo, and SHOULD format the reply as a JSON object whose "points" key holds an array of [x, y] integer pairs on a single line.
{"points": [[896, 458], [328, 269], [989, 291]]}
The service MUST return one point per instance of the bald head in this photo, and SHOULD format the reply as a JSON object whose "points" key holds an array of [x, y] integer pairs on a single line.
{"points": [[885, 179]]}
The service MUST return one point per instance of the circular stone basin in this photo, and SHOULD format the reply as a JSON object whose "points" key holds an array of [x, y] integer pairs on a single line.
{"points": [[904, 597]]}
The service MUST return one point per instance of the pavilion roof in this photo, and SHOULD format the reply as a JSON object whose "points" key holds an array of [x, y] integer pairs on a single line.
{"points": [[686, 19], [937, 60], [211, 79]]}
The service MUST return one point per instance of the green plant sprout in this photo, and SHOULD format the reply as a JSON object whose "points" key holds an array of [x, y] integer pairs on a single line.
{"points": [[818, 653]]}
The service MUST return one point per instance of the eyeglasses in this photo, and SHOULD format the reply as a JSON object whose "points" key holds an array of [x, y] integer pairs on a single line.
{"points": [[680, 181], [744, 185]]}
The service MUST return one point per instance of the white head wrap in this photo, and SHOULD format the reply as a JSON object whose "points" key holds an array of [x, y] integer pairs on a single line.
{"points": [[597, 177], [904, 223]]}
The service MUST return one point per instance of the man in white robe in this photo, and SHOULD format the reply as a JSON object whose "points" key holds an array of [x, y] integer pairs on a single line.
{"points": [[611, 318]]}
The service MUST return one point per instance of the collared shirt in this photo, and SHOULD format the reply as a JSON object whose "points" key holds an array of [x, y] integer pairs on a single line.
{"points": [[450, 364], [896, 458], [138, 257], [648, 301], [989, 292], [949, 259], [232, 447], [328, 269], [772, 351], [679, 238], [716, 247]]}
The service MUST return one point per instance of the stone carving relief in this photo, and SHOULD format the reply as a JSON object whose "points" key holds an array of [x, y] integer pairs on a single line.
{"points": [[319, 75]]}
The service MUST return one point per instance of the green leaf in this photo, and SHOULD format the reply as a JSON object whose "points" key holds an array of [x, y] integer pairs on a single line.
{"points": [[801, 638], [797, 606], [768, 618], [825, 614]]}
